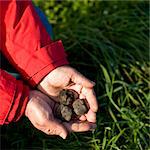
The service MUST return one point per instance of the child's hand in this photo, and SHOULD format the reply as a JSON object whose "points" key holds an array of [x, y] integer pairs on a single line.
{"points": [[65, 77]]}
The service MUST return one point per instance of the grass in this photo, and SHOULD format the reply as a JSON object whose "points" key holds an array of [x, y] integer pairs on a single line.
{"points": [[107, 41]]}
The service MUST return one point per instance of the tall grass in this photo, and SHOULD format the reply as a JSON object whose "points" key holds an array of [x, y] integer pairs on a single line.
{"points": [[108, 42]]}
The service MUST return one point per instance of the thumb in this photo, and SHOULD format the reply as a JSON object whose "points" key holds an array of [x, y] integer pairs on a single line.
{"points": [[56, 128], [78, 78]]}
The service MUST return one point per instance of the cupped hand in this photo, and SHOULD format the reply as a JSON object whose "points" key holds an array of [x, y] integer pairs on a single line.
{"points": [[40, 111], [66, 77]]}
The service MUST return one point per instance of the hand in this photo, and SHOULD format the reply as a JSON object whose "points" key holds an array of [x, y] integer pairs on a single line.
{"points": [[65, 77], [40, 110]]}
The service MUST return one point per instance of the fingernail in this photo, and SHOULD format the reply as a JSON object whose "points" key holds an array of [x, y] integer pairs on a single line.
{"points": [[63, 136], [93, 83], [93, 126], [95, 109], [92, 130]]}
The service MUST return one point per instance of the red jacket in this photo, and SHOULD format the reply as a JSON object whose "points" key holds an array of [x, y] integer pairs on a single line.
{"points": [[29, 48]]}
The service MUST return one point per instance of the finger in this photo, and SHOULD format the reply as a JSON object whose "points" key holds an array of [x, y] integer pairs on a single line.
{"points": [[56, 128], [80, 79], [91, 116], [91, 98], [75, 87], [81, 96], [79, 127], [82, 118]]}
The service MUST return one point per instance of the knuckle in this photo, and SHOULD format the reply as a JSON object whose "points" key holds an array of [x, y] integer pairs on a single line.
{"points": [[75, 127], [42, 122], [51, 131]]}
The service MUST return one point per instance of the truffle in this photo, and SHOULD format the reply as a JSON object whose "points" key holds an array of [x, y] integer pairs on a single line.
{"points": [[66, 112], [70, 105], [66, 97], [79, 107]]}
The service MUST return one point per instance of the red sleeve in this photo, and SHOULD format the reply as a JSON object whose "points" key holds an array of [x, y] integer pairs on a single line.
{"points": [[26, 43], [13, 98]]}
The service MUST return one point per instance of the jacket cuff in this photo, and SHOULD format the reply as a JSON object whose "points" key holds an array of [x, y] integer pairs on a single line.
{"points": [[14, 98], [45, 60], [23, 103], [19, 104], [35, 79], [7, 92]]}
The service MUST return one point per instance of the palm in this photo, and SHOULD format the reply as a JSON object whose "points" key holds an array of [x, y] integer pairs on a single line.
{"points": [[39, 112], [55, 82]]}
